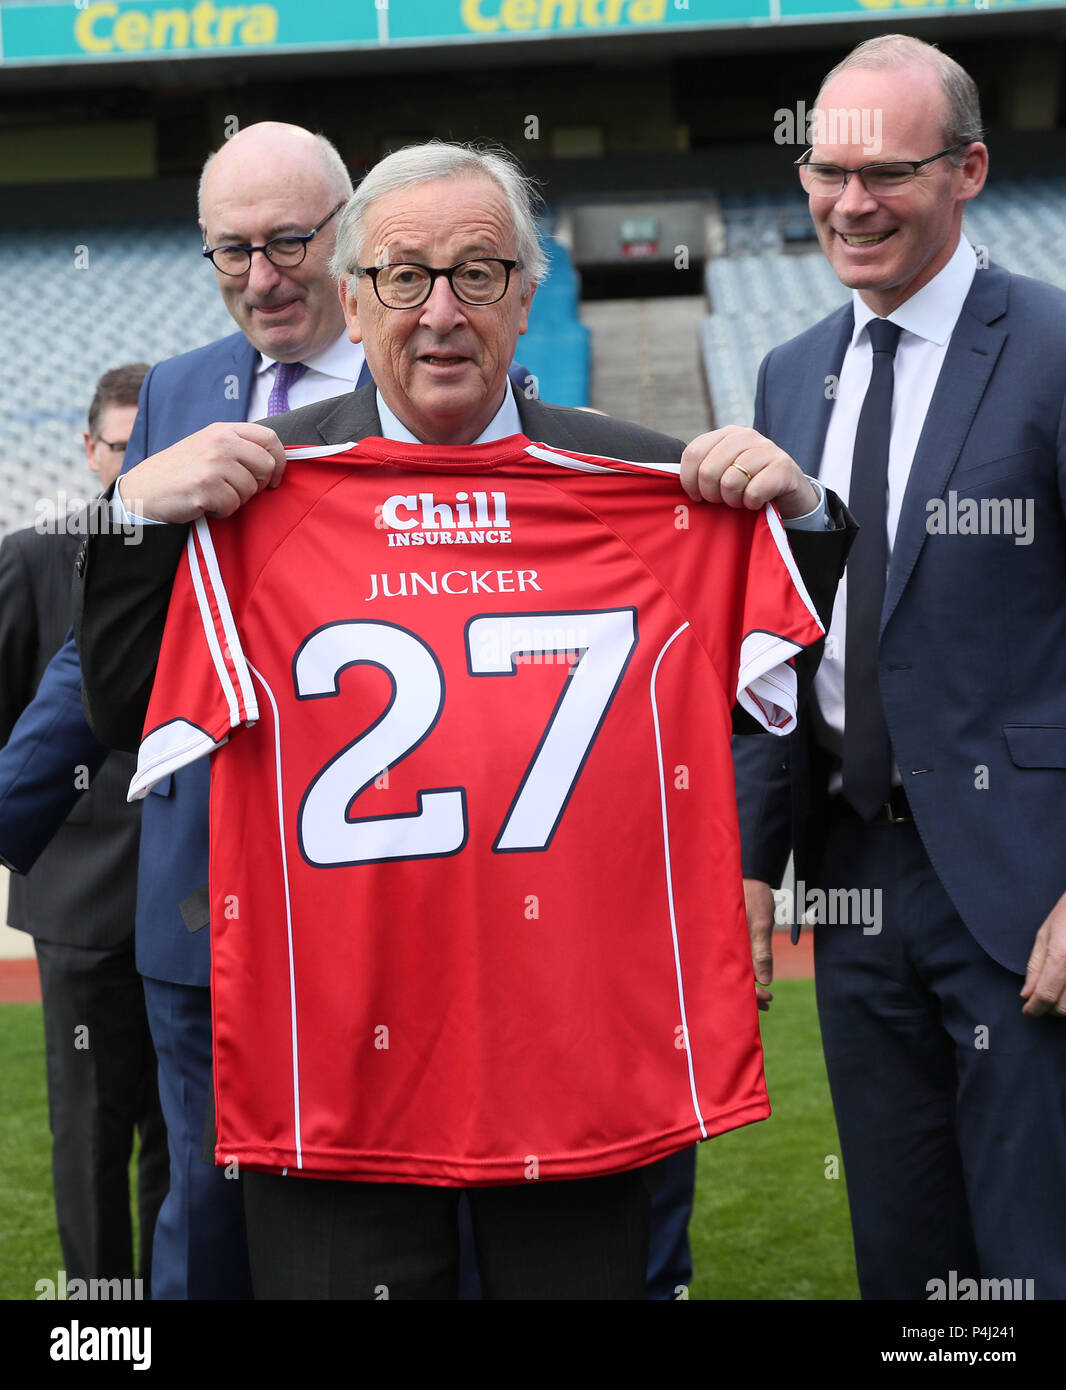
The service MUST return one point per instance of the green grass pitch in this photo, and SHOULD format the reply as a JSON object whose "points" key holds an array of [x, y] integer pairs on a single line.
{"points": [[768, 1224]]}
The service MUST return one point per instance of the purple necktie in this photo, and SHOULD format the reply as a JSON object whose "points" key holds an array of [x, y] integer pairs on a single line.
{"points": [[286, 375]]}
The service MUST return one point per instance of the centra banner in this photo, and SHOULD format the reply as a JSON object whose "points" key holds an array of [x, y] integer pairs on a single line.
{"points": [[116, 30]]}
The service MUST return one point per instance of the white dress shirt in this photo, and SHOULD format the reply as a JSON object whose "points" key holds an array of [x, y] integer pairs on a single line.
{"points": [[928, 320], [503, 424], [331, 372]]}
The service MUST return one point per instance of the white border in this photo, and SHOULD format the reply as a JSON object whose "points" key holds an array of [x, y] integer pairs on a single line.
{"points": [[669, 876], [294, 1033]]}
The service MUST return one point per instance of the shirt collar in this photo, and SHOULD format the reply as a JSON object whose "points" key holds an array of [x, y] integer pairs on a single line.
{"points": [[932, 312], [343, 360], [503, 424]]}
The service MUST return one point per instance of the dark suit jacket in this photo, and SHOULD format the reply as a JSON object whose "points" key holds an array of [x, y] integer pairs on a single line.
{"points": [[972, 664], [178, 397], [121, 606], [81, 891]]}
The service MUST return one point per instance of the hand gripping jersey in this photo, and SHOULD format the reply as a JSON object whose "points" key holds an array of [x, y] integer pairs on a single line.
{"points": [[476, 903]]}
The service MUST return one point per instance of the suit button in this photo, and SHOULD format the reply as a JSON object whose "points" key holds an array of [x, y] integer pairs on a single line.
{"points": [[79, 560]]}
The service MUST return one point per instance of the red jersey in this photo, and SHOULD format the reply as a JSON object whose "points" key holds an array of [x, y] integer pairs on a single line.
{"points": [[476, 902]]}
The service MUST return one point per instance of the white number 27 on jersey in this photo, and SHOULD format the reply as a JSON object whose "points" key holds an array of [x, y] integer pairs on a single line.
{"points": [[603, 642]]}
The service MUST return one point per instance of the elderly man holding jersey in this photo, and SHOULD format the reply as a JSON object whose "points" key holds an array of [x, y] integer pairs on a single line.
{"points": [[438, 261]]}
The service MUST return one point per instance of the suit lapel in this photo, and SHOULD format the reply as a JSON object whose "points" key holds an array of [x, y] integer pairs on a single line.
{"points": [[239, 370], [968, 365], [355, 416], [806, 425], [538, 423]]}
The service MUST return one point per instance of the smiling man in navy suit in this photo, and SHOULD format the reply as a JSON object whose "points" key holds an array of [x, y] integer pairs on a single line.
{"points": [[267, 214], [275, 189], [931, 774]]}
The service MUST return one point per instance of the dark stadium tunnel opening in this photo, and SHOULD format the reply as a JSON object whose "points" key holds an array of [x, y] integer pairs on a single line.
{"points": [[629, 281]]}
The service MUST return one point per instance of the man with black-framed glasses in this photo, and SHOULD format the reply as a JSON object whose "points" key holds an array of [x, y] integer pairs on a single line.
{"points": [[406, 285], [272, 188], [930, 779], [288, 249], [437, 261], [273, 278]]}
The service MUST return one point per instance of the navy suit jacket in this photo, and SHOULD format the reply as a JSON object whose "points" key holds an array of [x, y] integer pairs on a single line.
{"points": [[972, 655]]}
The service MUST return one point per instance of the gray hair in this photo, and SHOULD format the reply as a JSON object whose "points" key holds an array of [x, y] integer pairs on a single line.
{"points": [[962, 123], [334, 171], [417, 164]]}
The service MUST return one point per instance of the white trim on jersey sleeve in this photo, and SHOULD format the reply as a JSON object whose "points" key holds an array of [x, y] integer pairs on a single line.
{"points": [[164, 750], [777, 530], [766, 683]]}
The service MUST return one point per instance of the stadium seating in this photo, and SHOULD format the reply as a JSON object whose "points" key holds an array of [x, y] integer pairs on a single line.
{"points": [[78, 301]]}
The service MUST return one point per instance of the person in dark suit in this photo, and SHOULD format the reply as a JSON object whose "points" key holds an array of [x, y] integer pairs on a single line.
{"points": [[276, 188], [441, 374], [78, 904], [931, 770], [269, 180]]}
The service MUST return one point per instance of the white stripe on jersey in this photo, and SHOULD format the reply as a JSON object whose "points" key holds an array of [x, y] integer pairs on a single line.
{"points": [[670, 875], [207, 619], [318, 451], [582, 465], [242, 702], [777, 530], [293, 1032]]}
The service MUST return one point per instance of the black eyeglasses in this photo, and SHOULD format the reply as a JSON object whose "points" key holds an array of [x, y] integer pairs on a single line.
{"points": [[287, 251], [882, 180], [407, 284], [118, 445]]}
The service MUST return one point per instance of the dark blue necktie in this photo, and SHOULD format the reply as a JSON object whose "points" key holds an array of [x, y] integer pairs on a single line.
{"points": [[867, 749]]}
